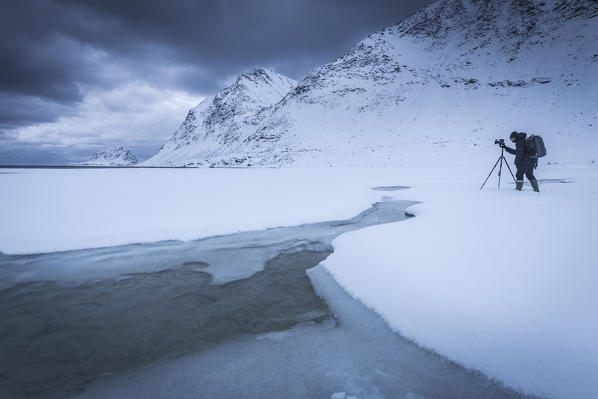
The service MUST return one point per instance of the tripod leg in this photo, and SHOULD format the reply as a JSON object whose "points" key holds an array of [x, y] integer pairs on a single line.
{"points": [[500, 172], [490, 174], [512, 175]]}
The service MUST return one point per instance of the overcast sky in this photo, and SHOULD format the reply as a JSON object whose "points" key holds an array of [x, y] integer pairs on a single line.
{"points": [[79, 76]]}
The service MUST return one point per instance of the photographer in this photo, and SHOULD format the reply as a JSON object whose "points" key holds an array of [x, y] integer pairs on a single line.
{"points": [[525, 165]]}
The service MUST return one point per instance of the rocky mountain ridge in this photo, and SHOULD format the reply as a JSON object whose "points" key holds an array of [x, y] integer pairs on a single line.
{"points": [[214, 129], [444, 82]]}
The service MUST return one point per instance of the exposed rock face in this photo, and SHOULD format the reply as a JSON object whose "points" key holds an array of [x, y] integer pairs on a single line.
{"points": [[444, 82], [215, 130], [116, 156]]}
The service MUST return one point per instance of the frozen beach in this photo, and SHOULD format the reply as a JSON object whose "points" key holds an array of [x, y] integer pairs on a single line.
{"points": [[162, 282]]}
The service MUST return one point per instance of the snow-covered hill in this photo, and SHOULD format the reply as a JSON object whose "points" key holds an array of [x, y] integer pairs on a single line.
{"points": [[214, 131], [116, 156], [438, 87]]}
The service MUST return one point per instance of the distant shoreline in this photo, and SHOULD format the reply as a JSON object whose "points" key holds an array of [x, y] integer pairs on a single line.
{"points": [[87, 167], [129, 167]]}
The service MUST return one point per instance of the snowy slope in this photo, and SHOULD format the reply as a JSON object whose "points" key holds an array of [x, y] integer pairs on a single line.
{"points": [[116, 156], [443, 83], [215, 129]]}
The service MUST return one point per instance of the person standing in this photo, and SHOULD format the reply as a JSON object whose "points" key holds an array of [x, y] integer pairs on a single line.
{"points": [[524, 164]]}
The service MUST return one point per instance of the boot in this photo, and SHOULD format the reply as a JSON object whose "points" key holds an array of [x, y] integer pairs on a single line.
{"points": [[535, 185], [519, 185]]}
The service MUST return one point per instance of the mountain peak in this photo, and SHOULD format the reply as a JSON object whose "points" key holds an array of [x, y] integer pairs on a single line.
{"points": [[114, 156], [258, 74], [225, 119], [257, 83]]}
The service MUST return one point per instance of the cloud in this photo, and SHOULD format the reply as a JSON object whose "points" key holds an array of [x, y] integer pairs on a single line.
{"points": [[17, 110], [60, 56], [233, 36], [135, 115], [53, 44]]}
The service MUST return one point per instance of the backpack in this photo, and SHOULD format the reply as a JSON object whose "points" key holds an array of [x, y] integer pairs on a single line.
{"points": [[534, 146]]}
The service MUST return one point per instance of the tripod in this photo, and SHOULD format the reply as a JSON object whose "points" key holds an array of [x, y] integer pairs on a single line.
{"points": [[500, 159]]}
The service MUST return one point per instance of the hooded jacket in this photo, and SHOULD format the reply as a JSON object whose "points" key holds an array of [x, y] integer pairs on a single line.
{"points": [[519, 151]]}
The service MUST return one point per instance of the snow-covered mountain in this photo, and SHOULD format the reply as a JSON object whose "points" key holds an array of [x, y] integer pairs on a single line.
{"points": [[438, 87], [214, 132], [116, 156]]}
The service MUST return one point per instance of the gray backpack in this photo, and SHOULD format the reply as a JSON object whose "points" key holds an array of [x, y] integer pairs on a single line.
{"points": [[534, 146]]}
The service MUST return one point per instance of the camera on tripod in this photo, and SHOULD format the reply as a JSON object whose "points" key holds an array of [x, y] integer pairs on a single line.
{"points": [[501, 160]]}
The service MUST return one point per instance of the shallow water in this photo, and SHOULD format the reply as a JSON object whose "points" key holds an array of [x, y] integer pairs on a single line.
{"points": [[229, 257], [355, 353], [69, 317], [72, 318]]}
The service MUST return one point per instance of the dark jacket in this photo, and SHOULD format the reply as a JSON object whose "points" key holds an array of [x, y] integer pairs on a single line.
{"points": [[521, 157]]}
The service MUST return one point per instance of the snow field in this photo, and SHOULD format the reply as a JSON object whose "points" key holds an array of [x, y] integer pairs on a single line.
{"points": [[46, 210], [504, 282]]}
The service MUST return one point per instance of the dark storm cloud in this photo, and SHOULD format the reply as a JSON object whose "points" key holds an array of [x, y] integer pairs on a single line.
{"points": [[36, 58], [226, 37], [21, 110], [55, 51], [48, 45]]}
